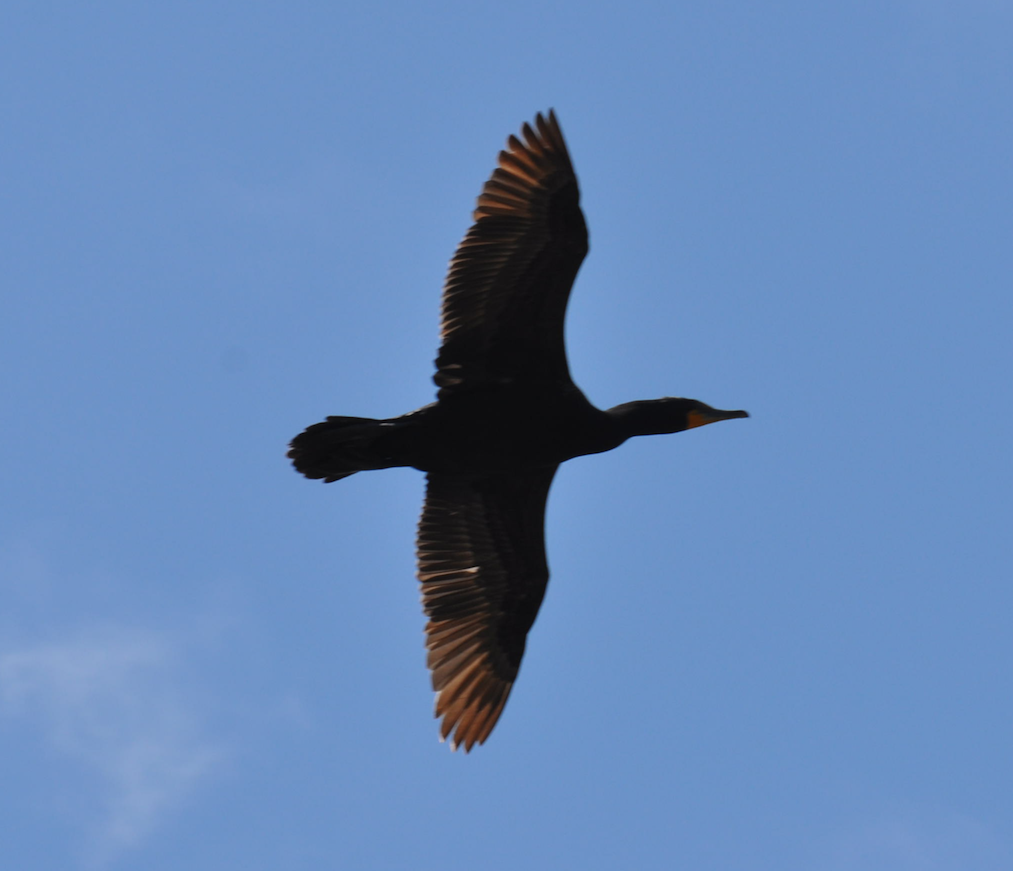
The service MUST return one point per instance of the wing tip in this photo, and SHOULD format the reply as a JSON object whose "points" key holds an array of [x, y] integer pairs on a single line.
{"points": [[476, 724], [528, 163]]}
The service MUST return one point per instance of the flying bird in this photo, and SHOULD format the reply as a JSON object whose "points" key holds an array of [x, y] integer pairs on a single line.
{"points": [[507, 414]]}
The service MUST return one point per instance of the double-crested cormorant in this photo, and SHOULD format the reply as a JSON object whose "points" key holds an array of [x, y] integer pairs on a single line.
{"points": [[506, 415]]}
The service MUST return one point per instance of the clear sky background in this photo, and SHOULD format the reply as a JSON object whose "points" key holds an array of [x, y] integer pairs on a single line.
{"points": [[780, 644]]}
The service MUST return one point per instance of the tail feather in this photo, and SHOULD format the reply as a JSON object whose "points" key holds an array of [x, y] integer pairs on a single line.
{"points": [[336, 448]]}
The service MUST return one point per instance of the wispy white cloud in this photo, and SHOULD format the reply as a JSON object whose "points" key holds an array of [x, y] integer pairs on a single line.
{"points": [[903, 840], [115, 701]]}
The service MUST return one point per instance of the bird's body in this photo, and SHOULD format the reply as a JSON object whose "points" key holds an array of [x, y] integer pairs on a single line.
{"points": [[507, 430], [507, 414]]}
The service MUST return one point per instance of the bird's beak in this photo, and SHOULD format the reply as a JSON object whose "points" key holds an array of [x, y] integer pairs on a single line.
{"points": [[712, 415]]}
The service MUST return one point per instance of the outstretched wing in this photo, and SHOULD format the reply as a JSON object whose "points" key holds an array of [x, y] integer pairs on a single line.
{"points": [[481, 558], [505, 297]]}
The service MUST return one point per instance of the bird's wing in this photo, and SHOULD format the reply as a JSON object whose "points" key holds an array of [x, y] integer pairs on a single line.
{"points": [[505, 296], [481, 558]]}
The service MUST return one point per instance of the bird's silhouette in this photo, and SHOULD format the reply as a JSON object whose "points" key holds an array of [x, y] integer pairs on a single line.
{"points": [[507, 414]]}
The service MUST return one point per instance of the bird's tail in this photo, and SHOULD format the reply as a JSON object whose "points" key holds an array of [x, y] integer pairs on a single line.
{"points": [[337, 448]]}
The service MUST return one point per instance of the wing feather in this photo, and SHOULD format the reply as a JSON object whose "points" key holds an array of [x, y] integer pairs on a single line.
{"points": [[504, 300], [482, 567]]}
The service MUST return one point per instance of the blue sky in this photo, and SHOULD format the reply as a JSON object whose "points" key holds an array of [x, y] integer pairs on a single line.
{"points": [[781, 643]]}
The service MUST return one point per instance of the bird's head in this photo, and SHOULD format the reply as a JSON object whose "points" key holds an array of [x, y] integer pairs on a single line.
{"points": [[670, 414]]}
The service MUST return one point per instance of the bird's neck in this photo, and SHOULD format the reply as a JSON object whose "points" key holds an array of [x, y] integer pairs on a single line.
{"points": [[644, 417]]}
